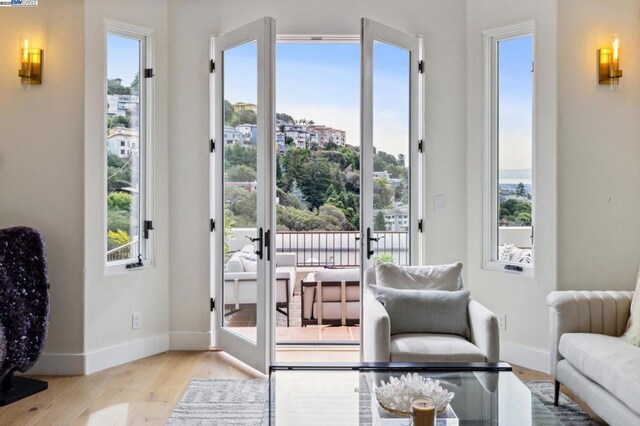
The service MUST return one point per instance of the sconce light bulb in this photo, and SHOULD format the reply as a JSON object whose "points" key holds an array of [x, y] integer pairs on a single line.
{"points": [[25, 50], [616, 46]]}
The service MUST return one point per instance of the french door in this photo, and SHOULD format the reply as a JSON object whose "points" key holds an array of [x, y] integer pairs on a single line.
{"points": [[243, 267], [390, 124], [243, 68]]}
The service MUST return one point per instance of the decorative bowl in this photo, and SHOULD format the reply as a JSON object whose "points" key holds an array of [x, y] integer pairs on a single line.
{"points": [[396, 395]]}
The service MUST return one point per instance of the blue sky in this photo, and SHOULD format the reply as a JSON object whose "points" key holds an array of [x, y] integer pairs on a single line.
{"points": [[516, 114], [123, 58], [321, 82]]}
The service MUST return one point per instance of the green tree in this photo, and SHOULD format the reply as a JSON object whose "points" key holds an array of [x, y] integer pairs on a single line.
{"points": [[316, 177], [135, 85], [247, 116], [237, 154], [382, 194], [379, 223], [119, 201], [242, 205], [118, 172], [241, 173], [520, 191], [117, 239], [115, 87]]}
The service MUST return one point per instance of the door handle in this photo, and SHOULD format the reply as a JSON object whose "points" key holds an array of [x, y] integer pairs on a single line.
{"points": [[258, 240], [370, 251], [267, 243]]}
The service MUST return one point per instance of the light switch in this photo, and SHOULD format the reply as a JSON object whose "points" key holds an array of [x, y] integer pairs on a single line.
{"points": [[440, 202]]}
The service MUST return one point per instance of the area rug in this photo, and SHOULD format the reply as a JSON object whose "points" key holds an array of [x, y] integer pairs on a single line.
{"points": [[222, 402], [567, 412], [244, 403]]}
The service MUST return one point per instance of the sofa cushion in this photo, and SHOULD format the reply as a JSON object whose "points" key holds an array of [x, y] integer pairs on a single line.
{"points": [[347, 274], [425, 311], [416, 347], [609, 361], [435, 277]]}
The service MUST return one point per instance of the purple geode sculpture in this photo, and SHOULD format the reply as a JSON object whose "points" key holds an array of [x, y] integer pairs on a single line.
{"points": [[24, 304]]}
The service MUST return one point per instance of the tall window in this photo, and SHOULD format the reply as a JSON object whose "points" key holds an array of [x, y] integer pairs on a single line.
{"points": [[127, 137], [510, 205]]}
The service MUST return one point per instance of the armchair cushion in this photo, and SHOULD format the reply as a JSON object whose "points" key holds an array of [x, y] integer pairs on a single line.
{"points": [[425, 311], [435, 277], [418, 347]]}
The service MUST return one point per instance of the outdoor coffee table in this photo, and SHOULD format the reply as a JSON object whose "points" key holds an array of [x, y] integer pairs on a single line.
{"points": [[343, 394]]}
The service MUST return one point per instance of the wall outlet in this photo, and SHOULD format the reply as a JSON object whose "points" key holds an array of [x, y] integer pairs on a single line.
{"points": [[440, 202], [502, 322], [136, 320]]}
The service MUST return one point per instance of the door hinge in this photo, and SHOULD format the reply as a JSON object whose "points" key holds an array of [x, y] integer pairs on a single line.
{"points": [[212, 66], [421, 67], [212, 145], [213, 304], [212, 225], [148, 226], [420, 226], [148, 73], [420, 146]]}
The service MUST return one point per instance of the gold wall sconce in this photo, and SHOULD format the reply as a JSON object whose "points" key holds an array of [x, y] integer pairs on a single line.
{"points": [[609, 71], [30, 63]]}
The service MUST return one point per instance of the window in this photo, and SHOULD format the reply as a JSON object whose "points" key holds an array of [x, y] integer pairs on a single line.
{"points": [[509, 200], [128, 142]]}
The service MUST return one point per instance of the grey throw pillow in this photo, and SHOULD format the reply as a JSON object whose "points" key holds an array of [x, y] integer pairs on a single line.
{"points": [[433, 277], [425, 311]]}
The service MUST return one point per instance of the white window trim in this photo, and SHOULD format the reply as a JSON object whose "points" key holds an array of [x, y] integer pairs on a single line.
{"points": [[490, 142], [145, 146]]}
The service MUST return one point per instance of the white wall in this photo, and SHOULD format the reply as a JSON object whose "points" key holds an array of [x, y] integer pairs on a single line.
{"points": [[521, 299], [41, 153], [111, 299], [599, 148], [192, 23]]}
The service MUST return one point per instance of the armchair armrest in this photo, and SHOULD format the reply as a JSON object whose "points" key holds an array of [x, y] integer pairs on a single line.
{"points": [[601, 312], [242, 276], [484, 330], [286, 259], [376, 337]]}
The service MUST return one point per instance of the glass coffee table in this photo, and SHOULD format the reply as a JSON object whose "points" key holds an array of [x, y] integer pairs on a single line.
{"points": [[344, 394]]}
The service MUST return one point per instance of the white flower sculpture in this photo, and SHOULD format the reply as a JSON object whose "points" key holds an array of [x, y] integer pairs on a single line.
{"points": [[396, 395]]}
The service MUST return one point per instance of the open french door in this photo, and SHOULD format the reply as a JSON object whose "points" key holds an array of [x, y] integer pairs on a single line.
{"points": [[243, 75], [390, 122]]}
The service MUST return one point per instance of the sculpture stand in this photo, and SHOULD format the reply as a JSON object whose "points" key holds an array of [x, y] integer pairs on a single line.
{"points": [[15, 388]]}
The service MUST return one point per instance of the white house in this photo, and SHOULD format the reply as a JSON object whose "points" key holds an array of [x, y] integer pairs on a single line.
{"points": [[123, 142]]}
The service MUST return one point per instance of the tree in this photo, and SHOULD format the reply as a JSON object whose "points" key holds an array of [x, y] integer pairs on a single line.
{"points": [[520, 191], [378, 222], [242, 204], [118, 172], [236, 154], [247, 116], [117, 239], [315, 179], [382, 194], [118, 120], [241, 173], [115, 87], [119, 201], [135, 89]]}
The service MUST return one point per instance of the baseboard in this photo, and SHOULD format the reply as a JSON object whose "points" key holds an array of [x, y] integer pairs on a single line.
{"points": [[525, 356], [190, 340], [59, 365], [126, 352]]}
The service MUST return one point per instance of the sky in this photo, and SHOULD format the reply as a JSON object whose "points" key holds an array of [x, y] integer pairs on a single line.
{"points": [[123, 58], [515, 132], [321, 82]]}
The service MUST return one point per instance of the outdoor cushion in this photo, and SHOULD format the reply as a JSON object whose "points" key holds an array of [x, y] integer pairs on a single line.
{"points": [[418, 347], [609, 361], [234, 264], [425, 311], [435, 277], [347, 274]]}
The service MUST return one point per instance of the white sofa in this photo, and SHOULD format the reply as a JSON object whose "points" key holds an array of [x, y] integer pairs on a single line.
{"points": [[331, 297], [589, 357], [240, 280]]}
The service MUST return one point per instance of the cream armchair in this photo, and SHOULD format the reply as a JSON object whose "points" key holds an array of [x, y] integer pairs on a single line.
{"points": [[379, 345]]}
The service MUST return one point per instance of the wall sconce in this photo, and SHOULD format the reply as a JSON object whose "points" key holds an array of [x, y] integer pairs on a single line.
{"points": [[30, 63], [609, 71]]}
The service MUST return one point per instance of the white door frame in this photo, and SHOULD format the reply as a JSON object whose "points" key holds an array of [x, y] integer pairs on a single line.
{"points": [[372, 31], [257, 354]]}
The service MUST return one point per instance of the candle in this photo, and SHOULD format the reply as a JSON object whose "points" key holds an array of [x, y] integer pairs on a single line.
{"points": [[423, 411]]}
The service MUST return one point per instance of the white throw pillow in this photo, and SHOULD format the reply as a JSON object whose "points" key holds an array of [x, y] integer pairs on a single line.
{"points": [[435, 277], [632, 334], [234, 264], [250, 264], [504, 252]]}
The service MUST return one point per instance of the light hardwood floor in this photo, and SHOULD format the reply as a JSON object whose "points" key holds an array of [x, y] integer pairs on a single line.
{"points": [[147, 390]]}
